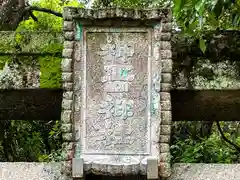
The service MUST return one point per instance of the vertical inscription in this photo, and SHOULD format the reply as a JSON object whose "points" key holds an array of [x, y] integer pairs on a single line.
{"points": [[114, 122], [118, 72]]}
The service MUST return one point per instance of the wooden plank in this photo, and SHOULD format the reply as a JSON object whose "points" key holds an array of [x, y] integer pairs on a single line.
{"points": [[30, 104], [205, 105]]}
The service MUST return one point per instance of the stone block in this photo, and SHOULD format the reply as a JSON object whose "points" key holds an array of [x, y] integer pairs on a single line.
{"points": [[167, 65], [166, 54], [164, 148], [67, 104], [68, 26], [165, 36], [67, 137], [165, 45], [77, 167], [67, 86], [166, 105], [66, 167], [68, 44], [66, 116], [66, 128], [152, 168], [68, 145], [166, 117], [66, 65], [165, 157], [69, 35], [67, 53], [164, 170], [166, 27], [68, 95], [165, 96], [164, 138], [165, 130], [67, 76], [166, 87], [166, 77]]}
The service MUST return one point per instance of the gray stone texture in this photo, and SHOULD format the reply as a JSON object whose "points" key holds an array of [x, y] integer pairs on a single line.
{"points": [[66, 65], [69, 35], [205, 172], [73, 62], [67, 86], [180, 171]]}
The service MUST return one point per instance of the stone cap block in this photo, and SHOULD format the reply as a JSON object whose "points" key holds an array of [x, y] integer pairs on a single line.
{"points": [[116, 13]]}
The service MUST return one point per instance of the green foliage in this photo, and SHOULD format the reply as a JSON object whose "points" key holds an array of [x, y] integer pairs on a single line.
{"points": [[196, 16], [189, 147], [34, 140], [47, 22], [50, 68]]}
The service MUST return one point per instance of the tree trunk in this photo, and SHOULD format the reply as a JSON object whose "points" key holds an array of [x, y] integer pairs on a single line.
{"points": [[11, 14]]}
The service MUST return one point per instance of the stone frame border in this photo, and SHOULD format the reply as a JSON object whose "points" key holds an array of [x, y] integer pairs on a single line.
{"points": [[70, 74]]}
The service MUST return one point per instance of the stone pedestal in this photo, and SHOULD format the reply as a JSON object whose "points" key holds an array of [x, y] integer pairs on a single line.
{"points": [[116, 105]]}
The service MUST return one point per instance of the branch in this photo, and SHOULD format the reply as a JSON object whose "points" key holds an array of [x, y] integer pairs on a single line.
{"points": [[224, 138], [32, 16], [35, 8]]}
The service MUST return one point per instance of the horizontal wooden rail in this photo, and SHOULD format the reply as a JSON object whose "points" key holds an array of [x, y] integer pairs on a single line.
{"points": [[30, 104], [205, 105], [45, 104]]}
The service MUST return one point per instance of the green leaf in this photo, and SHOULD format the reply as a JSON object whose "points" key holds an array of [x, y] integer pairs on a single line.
{"points": [[200, 7], [202, 45]]}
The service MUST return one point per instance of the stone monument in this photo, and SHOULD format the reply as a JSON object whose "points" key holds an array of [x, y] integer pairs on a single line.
{"points": [[116, 72]]}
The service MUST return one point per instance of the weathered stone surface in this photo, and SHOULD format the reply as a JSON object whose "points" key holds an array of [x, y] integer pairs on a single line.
{"points": [[165, 36], [165, 96], [67, 76], [165, 45], [166, 105], [69, 35], [66, 128], [68, 44], [66, 116], [67, 136], [68, 95], [111, 86], [166, 117], [166, 77], [166, 87], [68, 13], [67, 104], [167, 66], [166, 54], [67, 53], [201, 171], [68, 86], [165, 130], [68, 26], [66, 65], [165, 157], [118, 13], [68, 145], [164, 138], [165, 169], [66, 167], [32, 170], [164, 147], [180, 171], [166, 27]]}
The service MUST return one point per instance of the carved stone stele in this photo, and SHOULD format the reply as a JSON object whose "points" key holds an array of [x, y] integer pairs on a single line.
{"points": [[117, 64]]}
